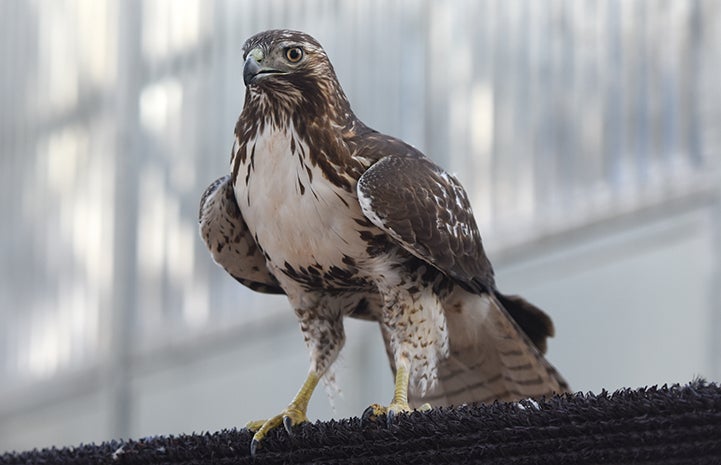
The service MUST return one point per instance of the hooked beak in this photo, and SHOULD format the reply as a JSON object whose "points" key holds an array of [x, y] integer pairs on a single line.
{"points": [[250, 70], [253, 71]]}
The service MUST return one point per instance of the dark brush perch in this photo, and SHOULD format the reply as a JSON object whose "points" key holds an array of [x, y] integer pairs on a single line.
{"points": [[677, 424]]}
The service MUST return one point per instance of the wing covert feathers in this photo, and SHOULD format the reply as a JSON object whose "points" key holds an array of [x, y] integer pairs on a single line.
{"points": [[427, 211]]}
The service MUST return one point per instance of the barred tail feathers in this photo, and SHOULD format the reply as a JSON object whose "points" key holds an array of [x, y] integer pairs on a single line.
{"points": [[491, 357]]}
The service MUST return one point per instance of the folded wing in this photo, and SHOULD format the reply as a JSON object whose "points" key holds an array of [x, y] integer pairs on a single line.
{"points": [[229, 241]]}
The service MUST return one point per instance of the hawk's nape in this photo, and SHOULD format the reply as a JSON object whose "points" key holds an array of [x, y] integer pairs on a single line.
{"points": [[349, 222]]}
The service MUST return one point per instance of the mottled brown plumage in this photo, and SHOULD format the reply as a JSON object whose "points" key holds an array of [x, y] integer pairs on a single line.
{"points": [[226, 235], [349, 222]]}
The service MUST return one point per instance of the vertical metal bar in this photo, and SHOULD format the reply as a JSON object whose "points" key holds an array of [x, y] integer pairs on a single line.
{"points": [[427, 122], [713, 361], [669, 110], [120, 332], [704, 67], [613, 111], [693, 82], [641, 111], [568, 155]]}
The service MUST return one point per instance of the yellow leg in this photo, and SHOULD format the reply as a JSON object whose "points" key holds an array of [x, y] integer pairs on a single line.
{"points": [[293, 414], [399, 403], [400, 391]]}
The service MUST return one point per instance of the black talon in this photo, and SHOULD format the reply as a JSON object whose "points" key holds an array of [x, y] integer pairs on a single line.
{"points": [[288, 424], [253, 447], [367, 414], [391, 415]]}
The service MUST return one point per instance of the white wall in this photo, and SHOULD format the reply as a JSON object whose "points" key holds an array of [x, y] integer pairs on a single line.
{"points": [[633, 306]]}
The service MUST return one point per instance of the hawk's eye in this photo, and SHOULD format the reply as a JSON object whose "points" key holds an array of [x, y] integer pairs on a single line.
{"points": [[294, 54]]}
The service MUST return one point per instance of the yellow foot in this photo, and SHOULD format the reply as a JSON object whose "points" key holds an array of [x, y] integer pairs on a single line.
{"points": [[289, 417], [376, 410]]}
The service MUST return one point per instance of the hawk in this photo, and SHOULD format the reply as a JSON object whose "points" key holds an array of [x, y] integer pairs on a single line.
{"points": [[348, 222]]}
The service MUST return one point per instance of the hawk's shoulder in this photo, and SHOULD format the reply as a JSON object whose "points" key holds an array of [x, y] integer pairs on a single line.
{"points": [[424, 209]]}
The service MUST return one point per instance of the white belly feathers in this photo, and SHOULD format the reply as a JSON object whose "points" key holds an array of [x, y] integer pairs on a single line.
{"points": [[294, 220]]}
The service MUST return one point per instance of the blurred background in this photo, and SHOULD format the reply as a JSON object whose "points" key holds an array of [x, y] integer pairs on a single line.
{"points": [[586, 133]]}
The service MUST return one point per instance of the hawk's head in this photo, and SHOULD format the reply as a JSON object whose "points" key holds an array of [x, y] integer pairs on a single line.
{"points": [[290, 69]]}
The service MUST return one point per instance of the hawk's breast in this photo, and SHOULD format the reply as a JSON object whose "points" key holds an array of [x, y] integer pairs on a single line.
{"points": [[305, 225]]}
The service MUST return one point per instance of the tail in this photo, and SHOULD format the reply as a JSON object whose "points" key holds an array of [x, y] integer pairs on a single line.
{"points": [[533, 321], [496, 352]]}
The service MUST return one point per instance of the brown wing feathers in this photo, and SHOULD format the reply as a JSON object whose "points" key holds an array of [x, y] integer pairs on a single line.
{"points": [[227, 237], [428, 213]]}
